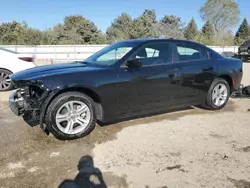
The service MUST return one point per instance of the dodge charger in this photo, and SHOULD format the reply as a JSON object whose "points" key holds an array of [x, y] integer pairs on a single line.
{"points": [[127, 79]]}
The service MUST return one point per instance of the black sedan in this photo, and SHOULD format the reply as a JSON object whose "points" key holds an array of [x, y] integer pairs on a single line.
{"points": [[124, 80]]}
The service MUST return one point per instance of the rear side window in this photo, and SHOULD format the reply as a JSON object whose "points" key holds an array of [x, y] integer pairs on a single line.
{"points": [[188, 53]]}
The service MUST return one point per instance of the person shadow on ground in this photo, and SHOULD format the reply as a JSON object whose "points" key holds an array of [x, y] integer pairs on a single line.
{"points": [[86, 171]]}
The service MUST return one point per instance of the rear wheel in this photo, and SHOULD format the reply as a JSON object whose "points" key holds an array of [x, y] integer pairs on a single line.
{"points": [[5, 81], [71, 115], [218, 94]]}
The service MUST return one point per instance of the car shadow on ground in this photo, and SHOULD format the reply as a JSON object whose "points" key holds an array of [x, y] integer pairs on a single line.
{"points": [[87, 171]]}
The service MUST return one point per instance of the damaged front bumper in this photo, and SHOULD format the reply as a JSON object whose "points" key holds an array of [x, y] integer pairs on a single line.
{"points": [[16, 103], [22, 105]]}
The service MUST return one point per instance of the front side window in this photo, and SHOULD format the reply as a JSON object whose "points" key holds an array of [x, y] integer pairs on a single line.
{"points": [[154, 54], [188, 53], [111, 54]]}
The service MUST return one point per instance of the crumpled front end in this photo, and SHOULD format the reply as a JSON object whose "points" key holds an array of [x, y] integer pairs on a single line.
{"points": [[26, 102], [16, 102]]}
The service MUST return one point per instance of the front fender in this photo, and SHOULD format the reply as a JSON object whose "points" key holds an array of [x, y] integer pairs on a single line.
{"points": [[51, 94]]}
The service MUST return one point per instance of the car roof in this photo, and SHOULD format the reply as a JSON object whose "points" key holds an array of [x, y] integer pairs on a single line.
{"points": [[149, 40], [142, 41]]}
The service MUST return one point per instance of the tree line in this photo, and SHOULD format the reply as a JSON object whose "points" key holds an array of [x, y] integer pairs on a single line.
{"points": [[219, 17]]}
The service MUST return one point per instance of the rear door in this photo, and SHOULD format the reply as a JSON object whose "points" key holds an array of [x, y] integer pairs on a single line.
{"points": [[195, 70]]}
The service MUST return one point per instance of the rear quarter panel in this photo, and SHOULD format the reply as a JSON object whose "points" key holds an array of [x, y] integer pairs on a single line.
{"points": [[233, 68]]}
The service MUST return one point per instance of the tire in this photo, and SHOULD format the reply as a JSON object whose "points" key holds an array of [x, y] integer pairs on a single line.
{"points": [[248, 51], [5, 82], [53, 113], [210, 104]]}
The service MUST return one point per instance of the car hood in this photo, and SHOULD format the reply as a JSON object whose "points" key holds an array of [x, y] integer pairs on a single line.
{"points": [[50, 70]]}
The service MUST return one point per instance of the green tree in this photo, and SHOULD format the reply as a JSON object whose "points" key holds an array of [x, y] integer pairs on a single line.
{"points": [[222, 14], [243, 33], [208, 30], [79, 30], [120, 28], [191, 30], [29, 36], [226, 38], [143, 26], [207, 34], [10, 32], [169, 26], [49, 37], [75, 30]]}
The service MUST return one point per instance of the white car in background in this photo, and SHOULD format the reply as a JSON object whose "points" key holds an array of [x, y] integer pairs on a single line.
{"points": [[12, 62]]}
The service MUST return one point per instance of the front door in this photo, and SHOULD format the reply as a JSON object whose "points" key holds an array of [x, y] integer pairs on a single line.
{"points": [[150, 87]]}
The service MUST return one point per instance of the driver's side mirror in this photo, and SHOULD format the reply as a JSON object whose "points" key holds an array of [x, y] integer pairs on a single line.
{"points": [[134, 63]]}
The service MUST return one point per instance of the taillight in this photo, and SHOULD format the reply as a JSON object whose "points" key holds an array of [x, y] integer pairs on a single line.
{"points": [[28, 59]]}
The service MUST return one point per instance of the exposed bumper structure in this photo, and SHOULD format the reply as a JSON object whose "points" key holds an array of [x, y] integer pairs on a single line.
{"points": [[16, 103], [20, 106]]}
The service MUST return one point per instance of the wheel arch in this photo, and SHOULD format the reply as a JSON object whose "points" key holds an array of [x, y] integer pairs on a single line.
{"points": [[87, 91], [229, 80], [6, 70]]}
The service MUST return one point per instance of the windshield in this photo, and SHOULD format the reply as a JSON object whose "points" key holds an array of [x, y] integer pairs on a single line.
{"points": [[111, 54]]}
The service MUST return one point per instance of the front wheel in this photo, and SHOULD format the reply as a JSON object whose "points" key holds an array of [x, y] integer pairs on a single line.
{"points": [[71, 115], [218, 95]]}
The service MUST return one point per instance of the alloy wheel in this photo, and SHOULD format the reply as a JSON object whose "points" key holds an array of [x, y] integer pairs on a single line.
{"points": [[73, 117], [219, 94], [5, 81]]}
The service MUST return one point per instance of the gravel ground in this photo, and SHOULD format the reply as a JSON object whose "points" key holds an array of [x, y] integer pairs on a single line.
{"points": [[188, 148]]}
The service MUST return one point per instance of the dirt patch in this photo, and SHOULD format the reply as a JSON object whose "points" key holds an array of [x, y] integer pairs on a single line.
{"points": [[216, 136], [242, 149], [246, 149], [240, 183]]}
